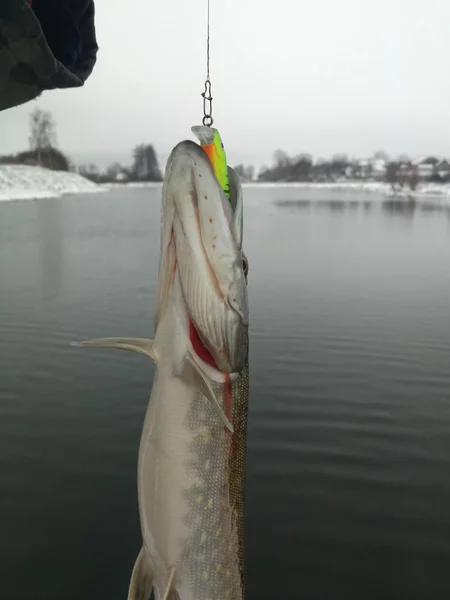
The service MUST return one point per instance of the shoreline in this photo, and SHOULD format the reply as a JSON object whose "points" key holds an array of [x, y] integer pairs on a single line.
{"points": [[380, 187], [23, 182]]}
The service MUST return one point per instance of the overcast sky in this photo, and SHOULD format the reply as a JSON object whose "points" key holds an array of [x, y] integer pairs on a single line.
{"points": [[319, 76]]}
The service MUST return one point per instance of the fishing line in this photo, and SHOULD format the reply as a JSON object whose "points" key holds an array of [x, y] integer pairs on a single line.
{"points": [[207, 98]]}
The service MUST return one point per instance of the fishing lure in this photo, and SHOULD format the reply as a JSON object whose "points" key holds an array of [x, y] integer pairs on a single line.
{"points": [[211, 143]]}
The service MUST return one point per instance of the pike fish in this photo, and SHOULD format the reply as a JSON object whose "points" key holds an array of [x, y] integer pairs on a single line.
{"points": [[192, 455]]}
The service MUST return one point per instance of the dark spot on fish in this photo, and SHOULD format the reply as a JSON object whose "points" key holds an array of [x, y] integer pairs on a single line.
{"points": [[210, 220]]}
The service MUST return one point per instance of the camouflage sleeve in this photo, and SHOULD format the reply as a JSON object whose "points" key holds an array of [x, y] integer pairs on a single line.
{"points": [[44, 45]]}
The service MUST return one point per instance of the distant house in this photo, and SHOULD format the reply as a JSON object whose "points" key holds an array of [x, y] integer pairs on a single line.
{"points": [[121, 176], [364, 168], [404, 168], [426, 167], [349, 171], [370, 168], [442, 169], [378, 168]]}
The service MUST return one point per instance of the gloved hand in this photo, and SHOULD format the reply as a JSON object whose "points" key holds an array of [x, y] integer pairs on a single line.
{"points": [[44, 45]]}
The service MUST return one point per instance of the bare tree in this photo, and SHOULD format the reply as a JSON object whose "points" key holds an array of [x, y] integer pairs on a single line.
{"points": [[393, 175], [381, 155], [90, 172], [245, 173], [303, 156], [250, 172], [145, 165], [281, 158], [413, 178], [42, 131], [138, 153], [240, 170], [114, 170]]}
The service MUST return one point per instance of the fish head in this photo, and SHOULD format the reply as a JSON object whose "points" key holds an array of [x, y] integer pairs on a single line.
{"points": [[201, 253], [211, 142]]}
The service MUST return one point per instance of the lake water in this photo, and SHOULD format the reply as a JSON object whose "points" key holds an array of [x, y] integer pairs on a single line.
{"points": [[348, 488]]}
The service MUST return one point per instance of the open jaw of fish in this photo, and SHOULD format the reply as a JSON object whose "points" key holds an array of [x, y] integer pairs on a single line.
{"points": [[191, 465]]}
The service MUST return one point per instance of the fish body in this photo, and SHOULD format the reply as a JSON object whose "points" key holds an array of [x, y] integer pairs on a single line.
{"points": [[191, 464]]}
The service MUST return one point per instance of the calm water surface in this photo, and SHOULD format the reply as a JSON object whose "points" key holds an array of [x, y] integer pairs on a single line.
{"points": [[348, 489]]}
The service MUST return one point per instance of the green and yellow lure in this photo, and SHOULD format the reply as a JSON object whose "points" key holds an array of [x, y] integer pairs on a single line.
{"points": [[211, 143]]}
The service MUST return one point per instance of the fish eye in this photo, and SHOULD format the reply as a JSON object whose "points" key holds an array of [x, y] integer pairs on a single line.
{"points": [[245, 265]]}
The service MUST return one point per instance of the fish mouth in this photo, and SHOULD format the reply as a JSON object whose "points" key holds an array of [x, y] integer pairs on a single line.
{"points": [[206, 233]]}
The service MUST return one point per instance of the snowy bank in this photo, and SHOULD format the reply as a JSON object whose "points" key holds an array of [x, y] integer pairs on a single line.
{"points": [[23, 182], [379, 187], [424, 189], [435, 194], [131, 184]]}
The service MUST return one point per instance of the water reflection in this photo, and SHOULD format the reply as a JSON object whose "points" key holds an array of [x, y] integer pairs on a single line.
{"points": [[349, 414], [395, 206], [51, 246], [399, 207], [294, 203], [429, 206], [336, 205]]}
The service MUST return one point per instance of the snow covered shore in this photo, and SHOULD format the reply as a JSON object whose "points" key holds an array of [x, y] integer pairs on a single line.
{"points": [[23, 182], [424, 190]]}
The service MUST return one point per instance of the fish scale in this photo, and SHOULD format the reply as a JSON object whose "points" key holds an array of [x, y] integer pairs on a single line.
{"points": [[211, 554], [237, 461]]}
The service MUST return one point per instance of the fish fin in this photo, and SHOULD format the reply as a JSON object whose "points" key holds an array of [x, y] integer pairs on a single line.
{"points": [[236, 204], [169, 584], [208, 391], [141, 582], [139, 345]]}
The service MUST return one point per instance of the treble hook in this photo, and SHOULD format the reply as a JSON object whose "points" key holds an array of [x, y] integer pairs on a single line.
{"points": [[207, 104]]}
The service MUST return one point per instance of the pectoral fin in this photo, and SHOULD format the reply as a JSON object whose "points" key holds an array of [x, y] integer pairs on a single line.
{"points": [[139, 345], [141, 578], [208, 391], [167, 591]]}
